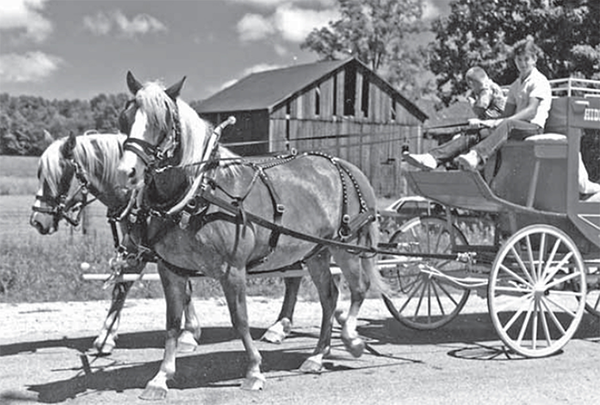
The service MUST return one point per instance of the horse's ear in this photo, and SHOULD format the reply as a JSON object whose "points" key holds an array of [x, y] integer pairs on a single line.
{"points": [[67, 148], [174, 90], [132, 83]]}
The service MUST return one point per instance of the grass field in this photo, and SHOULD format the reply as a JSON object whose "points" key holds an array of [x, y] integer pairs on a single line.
{"points": [[36, 268]]}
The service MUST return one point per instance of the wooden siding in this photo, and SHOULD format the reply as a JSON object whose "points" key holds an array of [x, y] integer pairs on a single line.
{"points": [[374, 142]]}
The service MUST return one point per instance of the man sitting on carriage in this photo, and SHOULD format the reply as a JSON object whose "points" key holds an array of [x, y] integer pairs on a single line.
{"points": [[525, 114]]}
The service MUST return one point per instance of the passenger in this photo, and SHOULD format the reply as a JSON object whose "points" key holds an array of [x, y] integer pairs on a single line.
{"points": [[587, 188], [486, 97], [525, 114]]}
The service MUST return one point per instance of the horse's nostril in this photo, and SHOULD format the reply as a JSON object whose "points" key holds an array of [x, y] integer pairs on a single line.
{"points": [[131, 174]]}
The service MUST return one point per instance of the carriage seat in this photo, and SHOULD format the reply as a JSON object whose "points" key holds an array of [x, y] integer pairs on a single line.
{"points": [[533, 173]]}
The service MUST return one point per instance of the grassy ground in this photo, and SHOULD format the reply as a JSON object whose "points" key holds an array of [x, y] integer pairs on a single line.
{"points": [[36, 268]]}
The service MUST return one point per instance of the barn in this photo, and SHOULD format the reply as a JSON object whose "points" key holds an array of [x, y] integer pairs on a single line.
{"points": [[339, 107]]}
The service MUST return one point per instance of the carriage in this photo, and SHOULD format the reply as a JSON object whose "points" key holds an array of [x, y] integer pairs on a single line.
{"points": [[540, 265], [544, 256]]}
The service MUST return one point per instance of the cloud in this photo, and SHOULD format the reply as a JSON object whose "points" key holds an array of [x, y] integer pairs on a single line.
{"points": [[288, 22], [29, 67], [254, 27], [25, 18], [117, 22], [270, 4]]}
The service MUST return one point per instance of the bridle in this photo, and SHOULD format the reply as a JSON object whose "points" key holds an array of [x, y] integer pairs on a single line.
{"points": [[65, 206], [165, 151]]}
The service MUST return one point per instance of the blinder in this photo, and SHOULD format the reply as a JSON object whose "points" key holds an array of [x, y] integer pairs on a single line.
{"points": [[152, 155]]}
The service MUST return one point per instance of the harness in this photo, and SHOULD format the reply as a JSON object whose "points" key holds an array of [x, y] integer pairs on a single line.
{"points": [[61, 205]]}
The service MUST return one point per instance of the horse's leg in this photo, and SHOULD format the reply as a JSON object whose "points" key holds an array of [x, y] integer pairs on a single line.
{"points": [[189, 338], [234, 287], [105, 342], [318, 267], [174, 287], [277, 332], [358, 284]]}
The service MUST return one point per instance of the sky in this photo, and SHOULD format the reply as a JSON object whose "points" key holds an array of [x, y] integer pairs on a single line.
{"points": [[77, 49]]}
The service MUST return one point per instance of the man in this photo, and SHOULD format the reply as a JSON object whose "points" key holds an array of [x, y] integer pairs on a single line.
{"points": [[525, 114]]}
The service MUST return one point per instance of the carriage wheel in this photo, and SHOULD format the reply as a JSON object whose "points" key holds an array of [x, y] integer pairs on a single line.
{"points": [[418, 299], [592, 302], [536, 292], [592, 297]]}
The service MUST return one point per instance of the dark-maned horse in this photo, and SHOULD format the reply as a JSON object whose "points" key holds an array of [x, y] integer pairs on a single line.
{"points": [[308, 194], [68, 169]]}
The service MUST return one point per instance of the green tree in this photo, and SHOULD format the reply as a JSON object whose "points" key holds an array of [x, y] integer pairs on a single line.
{"points": [[480, 32], [377, 33]]}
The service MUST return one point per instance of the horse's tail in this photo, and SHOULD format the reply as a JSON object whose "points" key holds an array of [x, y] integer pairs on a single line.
{"points": [[369, 260]]}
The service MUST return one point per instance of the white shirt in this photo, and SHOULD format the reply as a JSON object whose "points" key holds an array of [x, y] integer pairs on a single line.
{"points": [[535, 85]]}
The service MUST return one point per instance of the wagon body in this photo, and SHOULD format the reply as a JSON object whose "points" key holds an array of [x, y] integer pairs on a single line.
{"points": [[545, 253]]}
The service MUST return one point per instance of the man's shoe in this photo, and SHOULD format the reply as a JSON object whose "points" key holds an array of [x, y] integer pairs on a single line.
{"points": [[469, 161], [423, 161]]}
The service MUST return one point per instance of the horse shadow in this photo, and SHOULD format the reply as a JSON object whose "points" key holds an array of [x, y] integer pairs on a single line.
{"points": [[134, 340], [210, 370]]}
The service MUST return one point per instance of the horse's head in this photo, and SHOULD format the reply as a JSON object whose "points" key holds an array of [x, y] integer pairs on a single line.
{"points": [[58, 196], [154, 128]]}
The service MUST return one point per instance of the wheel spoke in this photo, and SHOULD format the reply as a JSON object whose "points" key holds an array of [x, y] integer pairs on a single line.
{"points": [[525, 322], [551, 259], [553, 317], [420, 301], [516, 315], [561, 306], [530, 255], [410, 297], [515, 275], [522, 266], [562, 280], [514, 302], [438, 299], [560, 265], [441, 287], [545, 323], [541, 256]]}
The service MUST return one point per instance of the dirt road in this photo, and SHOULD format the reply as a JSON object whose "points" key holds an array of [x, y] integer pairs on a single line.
{"points": [[41, 348]]}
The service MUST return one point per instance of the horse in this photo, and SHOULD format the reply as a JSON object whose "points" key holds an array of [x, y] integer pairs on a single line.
{"points": [[223, 216], [72, 166]]}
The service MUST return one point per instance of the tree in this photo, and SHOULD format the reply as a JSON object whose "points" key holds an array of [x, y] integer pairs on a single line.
{"points": [[480, 32], [377, 33]]}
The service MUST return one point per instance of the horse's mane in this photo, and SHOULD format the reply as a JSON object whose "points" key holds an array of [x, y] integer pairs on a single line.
{"points": [[97, 154], [195, 131]]}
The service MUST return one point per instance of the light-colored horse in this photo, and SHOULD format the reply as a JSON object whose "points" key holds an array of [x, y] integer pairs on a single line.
{"points": [[96, 157], [316, 194], [68, 167]]}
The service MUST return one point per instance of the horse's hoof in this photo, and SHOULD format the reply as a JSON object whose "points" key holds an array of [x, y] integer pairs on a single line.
{"points": [[255, 383], [273, 336], [104, 348], [186, 343], [311, 366], [355, 346], [154, 393], [278, 331], [340, 317]]}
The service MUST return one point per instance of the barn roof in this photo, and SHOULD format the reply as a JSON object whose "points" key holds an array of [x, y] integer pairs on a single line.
{"points": [[268, 89]]}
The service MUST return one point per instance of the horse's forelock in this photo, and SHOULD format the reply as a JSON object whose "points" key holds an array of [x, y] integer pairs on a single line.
{"points": [[156, 104], [99, 155]]}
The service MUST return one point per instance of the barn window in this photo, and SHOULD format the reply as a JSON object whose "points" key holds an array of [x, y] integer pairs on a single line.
{"points": [[364, 102], [318, 100], [349, 91]]}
